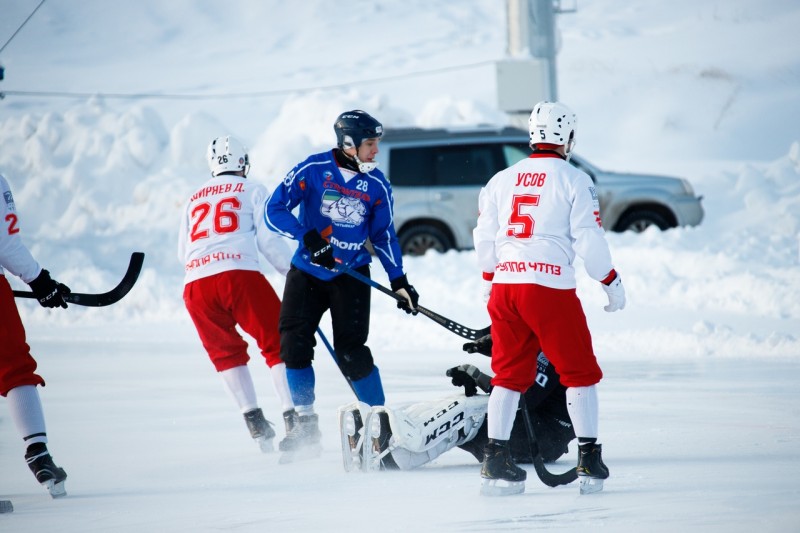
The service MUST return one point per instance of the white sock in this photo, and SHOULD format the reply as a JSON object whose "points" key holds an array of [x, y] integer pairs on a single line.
{"points": [[26, 411], [304, 410], [278, 373], [582, 406], [239, 384], [501, 412]]}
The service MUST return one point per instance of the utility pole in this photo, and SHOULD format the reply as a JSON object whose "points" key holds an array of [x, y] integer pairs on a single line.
{"points": [[528, 75]]}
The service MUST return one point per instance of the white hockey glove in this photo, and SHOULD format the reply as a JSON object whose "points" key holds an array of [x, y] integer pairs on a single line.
{"points": [[616, 295], [487, 291]]}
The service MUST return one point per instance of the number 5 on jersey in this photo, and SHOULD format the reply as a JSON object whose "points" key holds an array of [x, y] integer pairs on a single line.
{"points": [[521, 222]]}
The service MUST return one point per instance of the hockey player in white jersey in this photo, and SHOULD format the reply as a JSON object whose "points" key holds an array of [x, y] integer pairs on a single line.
{"points": [[535, 217], [18, 378], [221, 232]]}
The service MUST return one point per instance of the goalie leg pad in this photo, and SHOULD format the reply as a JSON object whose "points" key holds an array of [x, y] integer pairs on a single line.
{"points": [[421, 432]]}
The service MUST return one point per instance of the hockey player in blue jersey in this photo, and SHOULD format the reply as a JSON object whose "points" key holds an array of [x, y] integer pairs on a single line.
{"points": [[344, 200]]}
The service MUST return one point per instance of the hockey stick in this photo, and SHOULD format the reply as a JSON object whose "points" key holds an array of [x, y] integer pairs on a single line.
{"points": [[547, 477], [455, 327], [336, 360], [105, 298], [331, 351]]}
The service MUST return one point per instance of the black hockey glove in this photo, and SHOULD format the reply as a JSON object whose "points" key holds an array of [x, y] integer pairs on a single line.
{"points": [[406, 290], [469, 377], [49, 292], [482, 346], [321, 250]]}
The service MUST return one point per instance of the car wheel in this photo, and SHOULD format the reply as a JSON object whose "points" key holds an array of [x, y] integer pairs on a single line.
{"points": [[419, 239], [640, 220]]}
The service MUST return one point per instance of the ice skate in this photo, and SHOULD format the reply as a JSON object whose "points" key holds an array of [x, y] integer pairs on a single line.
{"points": [[499, 475], [591, 468], [6, 506], [352, 420], [289, 420], [47, 473], [260, 429], [303, 441], [378, 443]]}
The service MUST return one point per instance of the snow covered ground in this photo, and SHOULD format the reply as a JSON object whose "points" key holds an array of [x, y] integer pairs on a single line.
{"points": [[700, 411]]}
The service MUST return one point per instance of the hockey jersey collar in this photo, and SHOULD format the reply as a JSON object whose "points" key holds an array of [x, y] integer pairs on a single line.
{"points": [[546, 153]]}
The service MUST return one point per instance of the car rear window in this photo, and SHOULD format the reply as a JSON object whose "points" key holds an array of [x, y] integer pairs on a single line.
{"points": [[470, 164], [410, 167]]}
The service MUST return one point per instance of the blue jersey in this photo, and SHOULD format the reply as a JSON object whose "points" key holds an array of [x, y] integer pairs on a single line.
{"points": [[345, 212]]}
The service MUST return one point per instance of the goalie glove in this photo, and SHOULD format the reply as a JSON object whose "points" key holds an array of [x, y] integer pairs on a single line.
{"points": [[482, 346], [469, 377]]}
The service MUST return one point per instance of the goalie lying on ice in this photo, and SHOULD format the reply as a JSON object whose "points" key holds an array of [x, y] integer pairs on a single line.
{"points": [[409, 436]]}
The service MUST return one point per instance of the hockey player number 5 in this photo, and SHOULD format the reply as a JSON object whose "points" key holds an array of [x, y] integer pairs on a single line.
{"points": [[521, 222], [225, 218]]}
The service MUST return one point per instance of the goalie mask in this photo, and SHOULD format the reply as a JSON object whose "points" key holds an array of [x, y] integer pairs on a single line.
{"points": [[227, 154]]}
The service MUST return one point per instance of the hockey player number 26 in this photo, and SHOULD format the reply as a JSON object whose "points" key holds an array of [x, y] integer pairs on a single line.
{"points": [[225, 218], [520, 223]]}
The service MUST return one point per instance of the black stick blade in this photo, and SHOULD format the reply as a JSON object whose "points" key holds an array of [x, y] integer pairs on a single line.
{"points": [[105, 298]]}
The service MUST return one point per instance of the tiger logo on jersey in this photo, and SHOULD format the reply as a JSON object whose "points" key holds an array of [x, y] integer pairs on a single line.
{"points": [[343, 210]]}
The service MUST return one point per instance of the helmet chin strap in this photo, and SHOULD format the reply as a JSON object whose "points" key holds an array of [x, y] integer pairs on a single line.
{"points": [[568, 148], [364, 167]]}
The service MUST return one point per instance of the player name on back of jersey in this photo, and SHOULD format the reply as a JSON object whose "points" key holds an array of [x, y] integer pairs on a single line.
{"points": [[222, 188], [208, 258], [525, 266], [531, 179]]}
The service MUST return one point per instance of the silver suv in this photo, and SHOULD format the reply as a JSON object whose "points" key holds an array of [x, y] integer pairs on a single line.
{"points": [[437, 174]]}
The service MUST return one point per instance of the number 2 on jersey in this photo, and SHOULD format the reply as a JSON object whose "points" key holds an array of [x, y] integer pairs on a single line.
{"points": [[225, 218], [11, 218], [521, 222]]}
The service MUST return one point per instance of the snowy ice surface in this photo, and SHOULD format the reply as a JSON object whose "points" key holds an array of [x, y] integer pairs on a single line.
{"points": [[700, 409]]}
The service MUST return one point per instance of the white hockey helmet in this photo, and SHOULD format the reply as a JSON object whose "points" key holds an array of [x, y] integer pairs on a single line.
{"points": [[227, 154], [552, 123]]}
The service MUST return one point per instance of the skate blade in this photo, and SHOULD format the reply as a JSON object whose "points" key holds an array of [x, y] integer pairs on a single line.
{"points": [[352, 433], [501, 487], [590, 485], [265, 445], [305, 453], [56, 490]]}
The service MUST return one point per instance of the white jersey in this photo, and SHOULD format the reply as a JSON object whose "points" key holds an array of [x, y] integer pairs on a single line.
{"points": [[14, 256], [534, 217], [223, 229]]}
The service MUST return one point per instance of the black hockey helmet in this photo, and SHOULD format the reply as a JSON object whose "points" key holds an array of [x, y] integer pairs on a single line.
{"points": [[352, 127]]}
